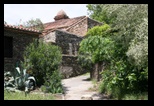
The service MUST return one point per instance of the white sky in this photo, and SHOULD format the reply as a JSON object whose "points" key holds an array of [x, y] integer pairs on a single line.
{"points": [[13, 13]]}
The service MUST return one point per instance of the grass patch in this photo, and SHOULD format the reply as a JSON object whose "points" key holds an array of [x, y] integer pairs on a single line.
{"points": [[139, 96], [95, 85], [21, 96]]}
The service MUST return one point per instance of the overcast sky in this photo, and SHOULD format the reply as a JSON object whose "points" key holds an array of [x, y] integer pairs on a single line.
{"points": [[13, 13]]}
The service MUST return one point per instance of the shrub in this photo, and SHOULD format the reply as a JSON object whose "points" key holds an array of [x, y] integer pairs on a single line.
{"points": [[43, 59], [99, 30], [53, 84]]}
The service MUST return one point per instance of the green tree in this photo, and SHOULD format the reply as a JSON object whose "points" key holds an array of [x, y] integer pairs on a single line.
{"points": [[98, 12], [130, 21], [121, 17], [128, 68], [103, 30], [138, 49], [35, 24], [96, 48]]}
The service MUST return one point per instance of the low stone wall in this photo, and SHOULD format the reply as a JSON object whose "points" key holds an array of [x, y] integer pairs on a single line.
{"points": [[70, 67]]}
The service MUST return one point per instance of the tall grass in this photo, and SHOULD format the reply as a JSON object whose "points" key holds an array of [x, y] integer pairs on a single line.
{"points": [[21, 96], [139, 96]]}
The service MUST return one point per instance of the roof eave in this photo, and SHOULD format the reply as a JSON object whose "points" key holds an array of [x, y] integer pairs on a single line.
{"points": [[21, 30]]}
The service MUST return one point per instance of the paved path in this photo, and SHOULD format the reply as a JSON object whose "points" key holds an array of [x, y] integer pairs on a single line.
{"points": [[77, 87]]}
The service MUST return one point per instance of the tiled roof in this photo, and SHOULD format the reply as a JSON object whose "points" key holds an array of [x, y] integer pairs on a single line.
{"points": [[21, 28], [63, 23]]}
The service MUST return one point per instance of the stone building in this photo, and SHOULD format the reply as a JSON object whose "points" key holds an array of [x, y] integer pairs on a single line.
{"points": [[64, 32], [67, 33], [15, 40]]}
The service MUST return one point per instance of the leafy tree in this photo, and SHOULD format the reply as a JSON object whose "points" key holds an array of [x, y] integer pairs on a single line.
{"points": [[35, 24], [138, 49], [131, 23], [121, 17], [97, 12], [103, 30], [96, 48], [128, 68]]}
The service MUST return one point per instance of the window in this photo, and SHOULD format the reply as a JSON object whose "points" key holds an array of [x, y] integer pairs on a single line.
{"points": [[8, 47]]}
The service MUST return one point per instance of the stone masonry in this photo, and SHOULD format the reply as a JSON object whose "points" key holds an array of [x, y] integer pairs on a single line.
{"points": [[20, 41], [67, 33], [69, 44], [64, 32]]}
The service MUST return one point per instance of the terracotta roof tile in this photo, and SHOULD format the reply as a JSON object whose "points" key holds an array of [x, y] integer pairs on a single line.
{"points": [[21, 28], [63, 23]]}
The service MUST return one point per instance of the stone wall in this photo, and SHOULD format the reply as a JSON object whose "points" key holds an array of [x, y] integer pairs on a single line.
{"points": [[50, 37], [20, 41], [80, 28], [92, 23], [70, 45], [70, 67], [68, 42]]}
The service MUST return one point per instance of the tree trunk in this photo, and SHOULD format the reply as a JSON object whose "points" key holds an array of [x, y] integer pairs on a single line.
{"points": [[95, 73]]}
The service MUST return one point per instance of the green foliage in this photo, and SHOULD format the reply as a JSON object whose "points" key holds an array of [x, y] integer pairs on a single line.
{"points": [[21, 96], [121, 78], [126, 18], [128, 68], [138, 96], [99, 30], [53, 84], [42, 59], [16, 79], [35, 24], [138, 49], [131, 39], [95, 49], [100, 13], [20, 78], [118, 14], [94, 46]]}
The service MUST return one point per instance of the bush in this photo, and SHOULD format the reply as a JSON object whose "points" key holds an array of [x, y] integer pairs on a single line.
{"points": [[53, 84], [103, 31], [43, 59], [121, 78], [127, 69]]}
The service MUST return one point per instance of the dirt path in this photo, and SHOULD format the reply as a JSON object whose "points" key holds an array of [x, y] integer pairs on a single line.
{"points": [[78, 87]]}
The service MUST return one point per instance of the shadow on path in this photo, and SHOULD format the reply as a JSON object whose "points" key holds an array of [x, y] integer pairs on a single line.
{"points": [[87, 79]]}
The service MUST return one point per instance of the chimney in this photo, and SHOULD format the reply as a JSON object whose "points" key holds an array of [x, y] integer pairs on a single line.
{"points": [[61, 15]]}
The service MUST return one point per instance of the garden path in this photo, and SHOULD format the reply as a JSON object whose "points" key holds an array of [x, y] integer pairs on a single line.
{"points": [[78, 88]]}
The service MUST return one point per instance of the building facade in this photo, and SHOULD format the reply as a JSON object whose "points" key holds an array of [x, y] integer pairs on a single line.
{"points": [[64, 32], [15, 41], [67, 33]]}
